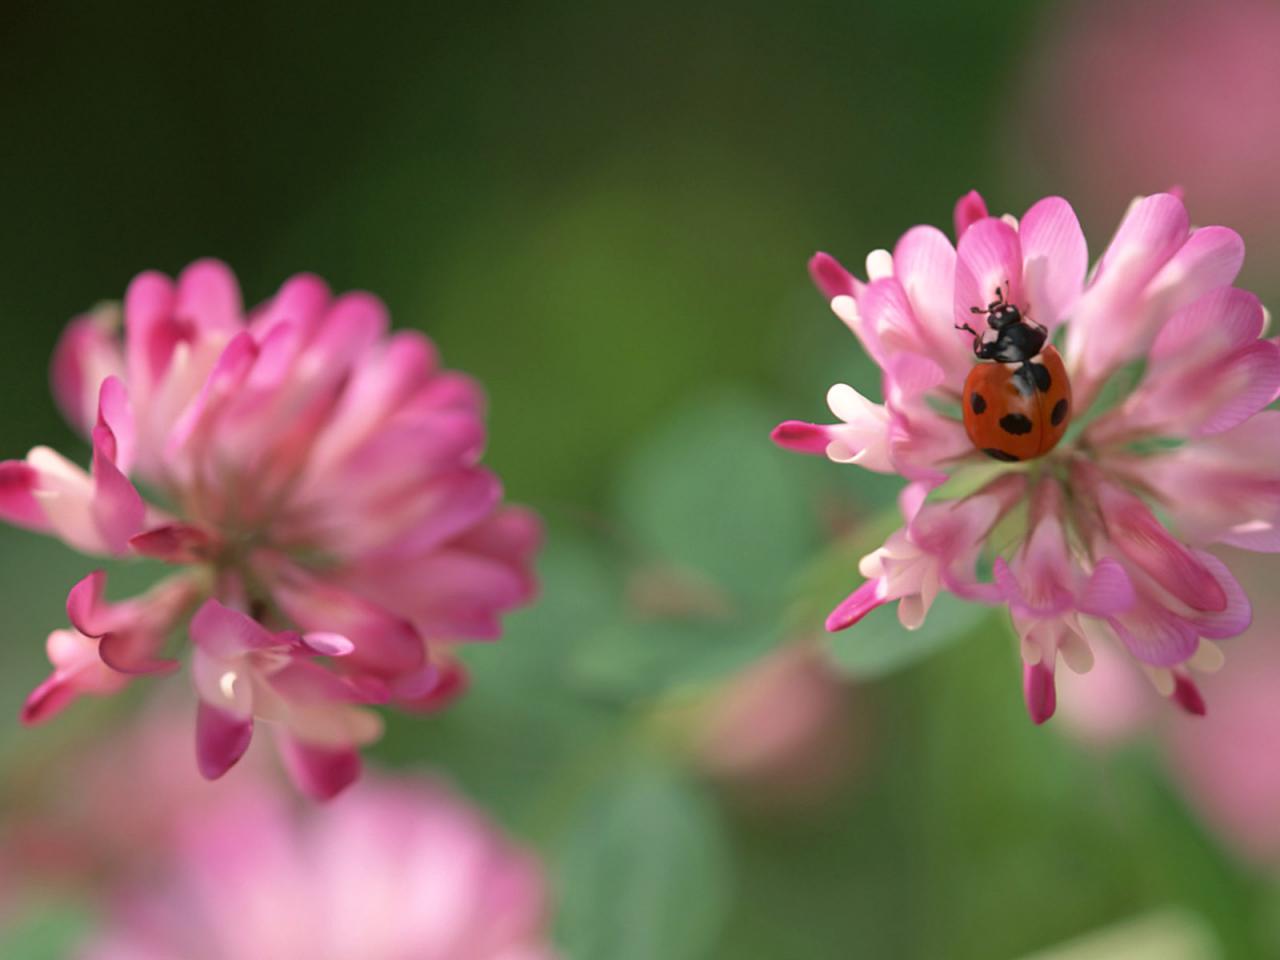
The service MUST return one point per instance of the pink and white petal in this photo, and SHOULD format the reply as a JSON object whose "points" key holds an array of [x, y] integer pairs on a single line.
{"points": [[988, 256], [19, 504], [1136, 533], [320, 772], [222, 632], [831, 278], [222, 737], [208, 296], [117, 507], [385, 644], [65, 493], [88, 352], [925, 264], [1210, 258], [1055, 258], [327, 644], [1244, 385], [77, 670], [1153, 229], [1108, 591], [969, 210], [1214, 324], [1236, 617], [863, 438], [1155, 636]]}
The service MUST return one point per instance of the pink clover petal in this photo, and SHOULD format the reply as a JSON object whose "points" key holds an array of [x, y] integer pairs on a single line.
{"points": [[1055, 258], [857, 605], [87, 353], [223, 632], [174, 543], [208, 296], [800, 437], [328, 644], [831, 278], [1038, 689], [969, 210], [989, 255], [1187, 695], [319, 772], [222, 737], [18, 503]]}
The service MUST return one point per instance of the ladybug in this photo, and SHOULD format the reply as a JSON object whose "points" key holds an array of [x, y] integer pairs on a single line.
{"points": [[1018, 405]]}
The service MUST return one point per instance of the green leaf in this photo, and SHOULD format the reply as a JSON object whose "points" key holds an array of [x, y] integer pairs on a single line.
{"points": [[645, 873], [711, 493], [47, 931], [879, 644], [638, 659]]}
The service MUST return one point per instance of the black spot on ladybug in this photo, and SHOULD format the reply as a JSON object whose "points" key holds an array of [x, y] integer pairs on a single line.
{"points": [[1059, 412], [978, 403], [995, 454], [1040, 374], [1016, 423]]}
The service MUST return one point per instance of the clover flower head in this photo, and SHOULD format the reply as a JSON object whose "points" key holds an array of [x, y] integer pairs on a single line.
{"points": [[315, 481], [1081, 490]]}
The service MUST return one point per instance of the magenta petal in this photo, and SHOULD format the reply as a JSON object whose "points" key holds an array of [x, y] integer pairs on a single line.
{"points": [[173, 543], [118, 510], [53, 695], [18, 504], [319, 772], [449, 681], [800, 437], [855, 606], [1187, 695], [134, 653], [223, 632], [221, 739], [969, 210], [1039, 691], [830, 277], [327, 644], [85, 608]]}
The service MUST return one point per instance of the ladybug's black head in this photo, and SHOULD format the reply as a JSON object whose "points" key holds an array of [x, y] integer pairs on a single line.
{"points": [[1001, 315]]}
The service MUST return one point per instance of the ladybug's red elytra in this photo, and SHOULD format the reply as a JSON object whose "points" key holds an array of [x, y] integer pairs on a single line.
{"points": [[1017, 406]]}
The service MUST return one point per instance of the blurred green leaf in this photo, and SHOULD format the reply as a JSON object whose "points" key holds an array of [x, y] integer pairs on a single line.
{"points": [[645, 874], [879, 644], [631, 659], [48, 931], [711, 493]]}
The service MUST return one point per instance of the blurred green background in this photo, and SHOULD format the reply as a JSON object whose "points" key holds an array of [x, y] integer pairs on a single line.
{"points": [[603, 211]]}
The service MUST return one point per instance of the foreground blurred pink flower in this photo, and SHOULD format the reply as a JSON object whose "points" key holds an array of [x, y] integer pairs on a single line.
{"points": [[1226, 763], [321, 491], [1189, 102], [391, 871], [781, 726], [1071, 535]]}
